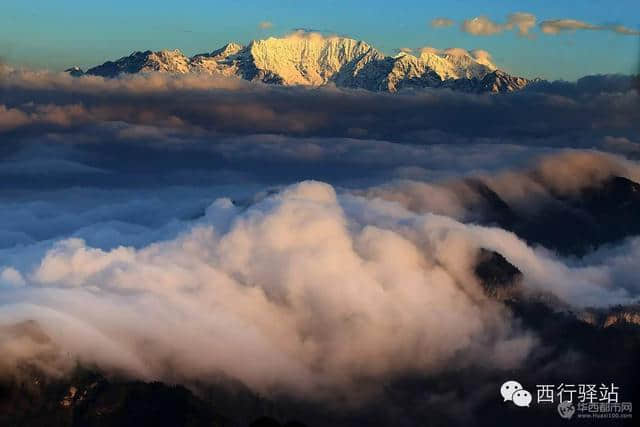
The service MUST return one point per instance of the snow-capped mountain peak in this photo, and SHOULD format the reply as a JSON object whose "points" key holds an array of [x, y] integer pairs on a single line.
{"points": [[171, 61], [306, 60], [312, 59], [227, 50]]}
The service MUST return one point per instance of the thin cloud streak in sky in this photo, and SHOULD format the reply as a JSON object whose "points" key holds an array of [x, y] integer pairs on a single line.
{"points": [[441, 22], [557, 26]]}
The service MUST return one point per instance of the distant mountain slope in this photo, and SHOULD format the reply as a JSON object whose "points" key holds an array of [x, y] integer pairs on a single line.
{"points": [[575, 224], [310, 59], [171, 61]]}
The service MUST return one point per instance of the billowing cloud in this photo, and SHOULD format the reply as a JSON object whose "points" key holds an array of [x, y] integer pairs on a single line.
{"points": [[441, 22], [295, 278], [265, 25], [327, 286], [566, 172], [557, 26]]}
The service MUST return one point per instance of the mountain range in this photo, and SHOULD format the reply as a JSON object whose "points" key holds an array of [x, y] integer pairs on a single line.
{"points": [[310, 59]]}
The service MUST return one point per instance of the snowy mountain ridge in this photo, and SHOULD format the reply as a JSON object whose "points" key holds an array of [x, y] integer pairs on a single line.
{"points": [[311, 59]]}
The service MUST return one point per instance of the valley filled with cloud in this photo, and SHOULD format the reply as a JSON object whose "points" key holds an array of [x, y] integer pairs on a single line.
{"points": [[315, 244]]}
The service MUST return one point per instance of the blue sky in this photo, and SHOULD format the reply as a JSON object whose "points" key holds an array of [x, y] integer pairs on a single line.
{"points": [[58, 34]]}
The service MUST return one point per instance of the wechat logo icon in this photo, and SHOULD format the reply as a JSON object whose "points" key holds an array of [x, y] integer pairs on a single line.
{"points": [[514, 392]]}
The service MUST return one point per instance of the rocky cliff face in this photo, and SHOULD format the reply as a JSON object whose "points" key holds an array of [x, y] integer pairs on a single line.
{"points": [[314, 60], [612, 316]]}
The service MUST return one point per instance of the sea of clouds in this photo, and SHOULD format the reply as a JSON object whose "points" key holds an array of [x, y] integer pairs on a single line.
{"points": [[301, 241]]}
